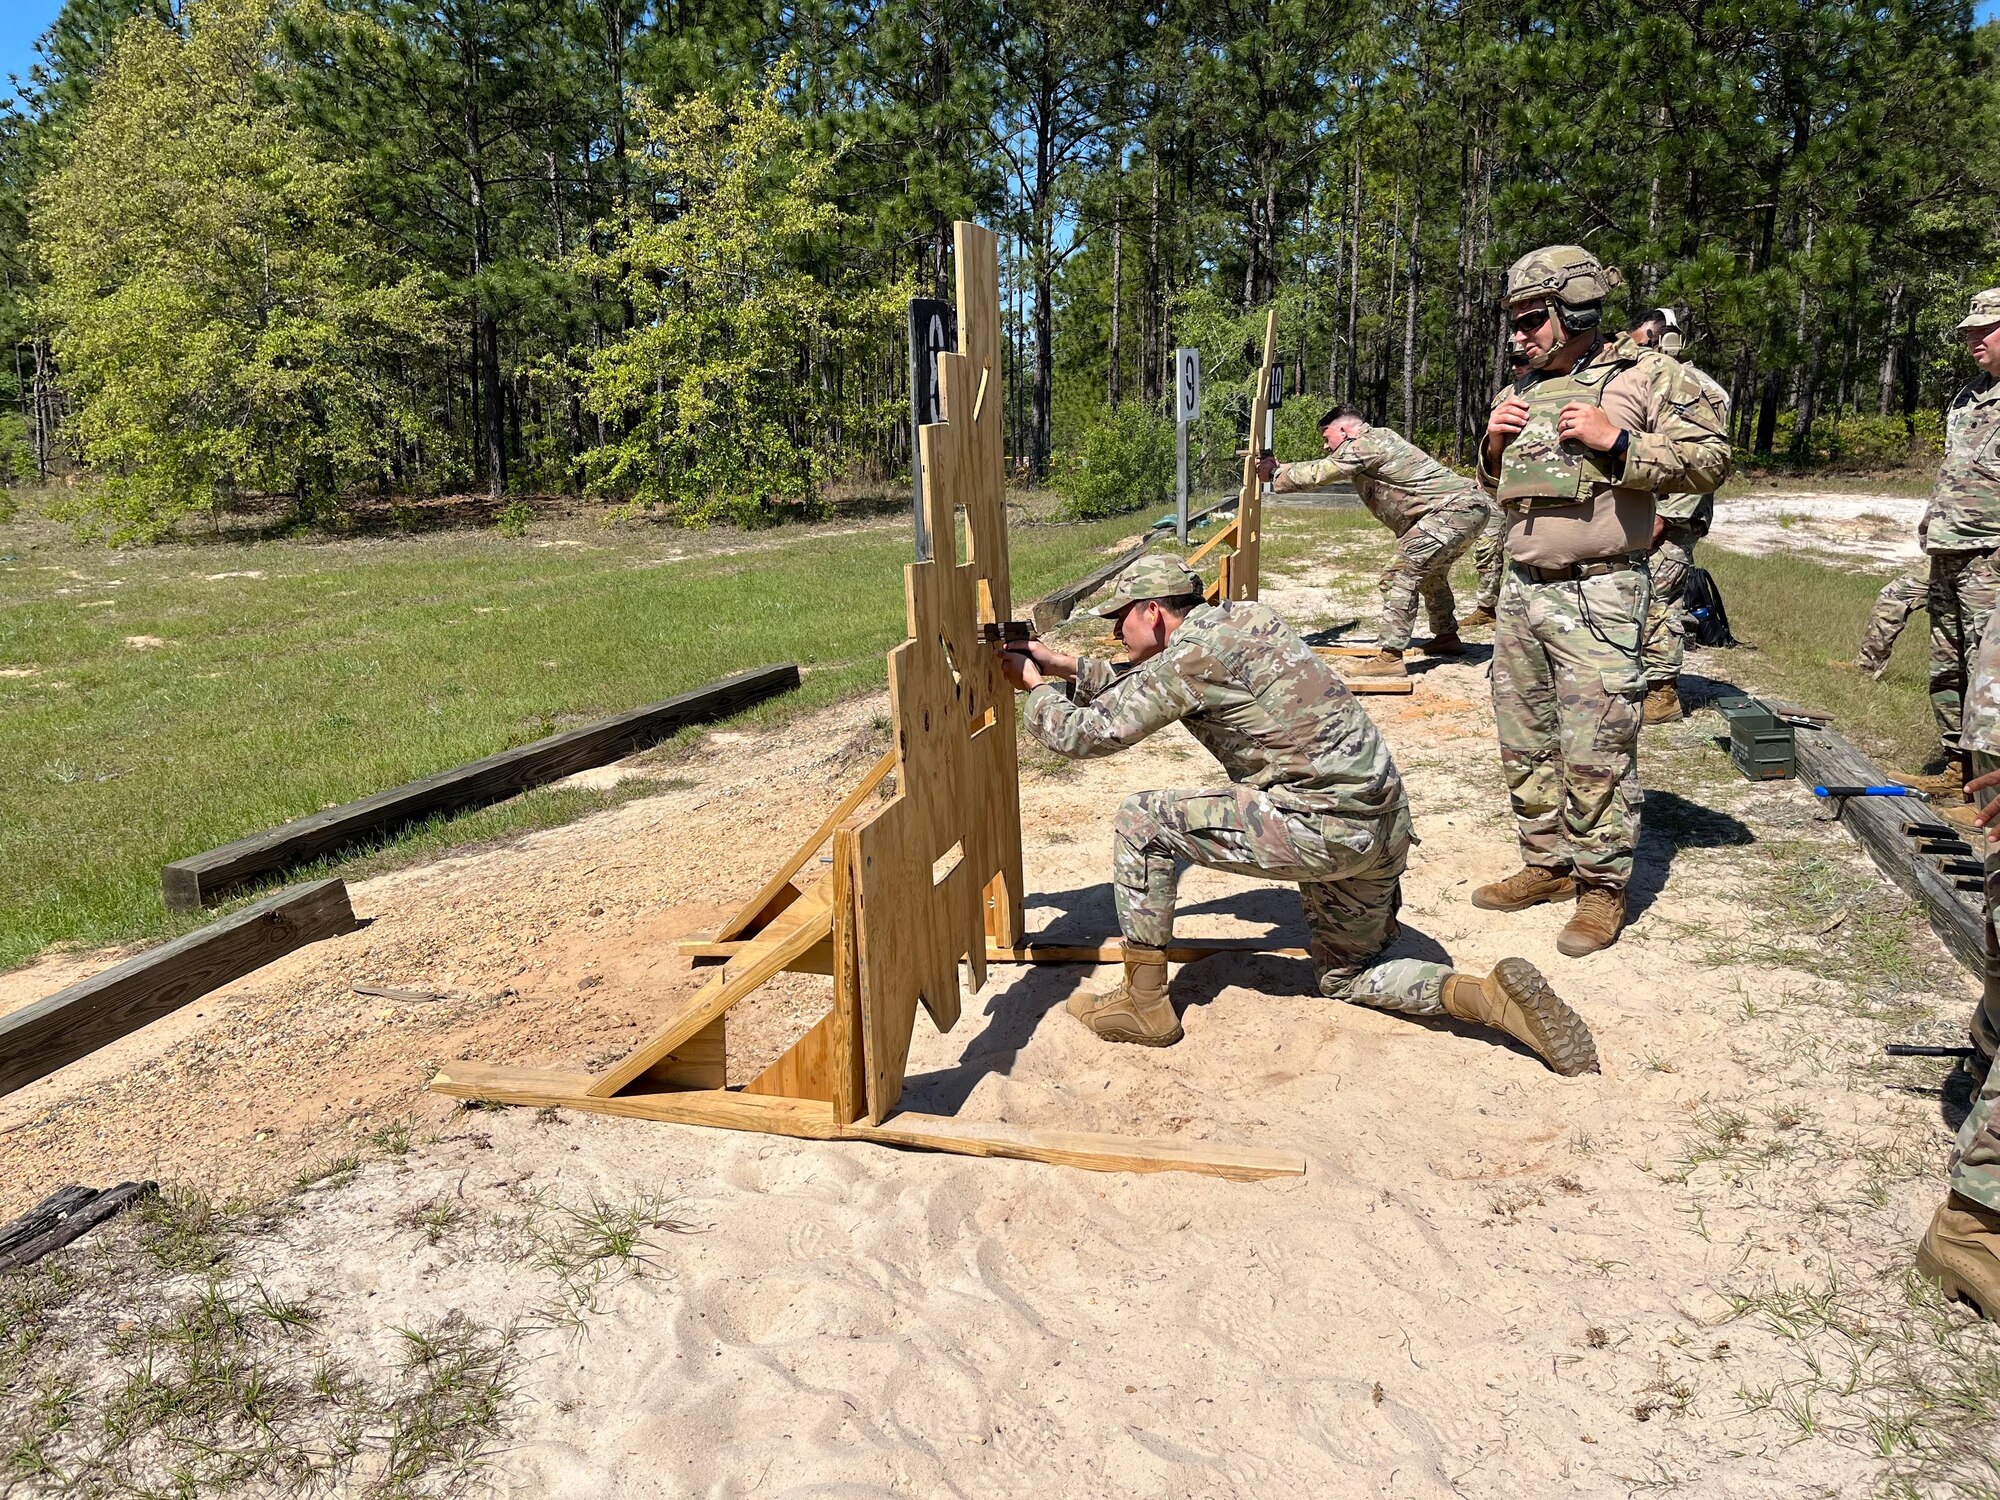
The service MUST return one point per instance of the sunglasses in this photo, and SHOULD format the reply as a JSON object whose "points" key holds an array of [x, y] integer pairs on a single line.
{"points": [[1529, 322]]}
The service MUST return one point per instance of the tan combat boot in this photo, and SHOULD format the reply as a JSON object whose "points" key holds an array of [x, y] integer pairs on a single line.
{"points": [[1447, 644], [1948, 781], [1479, 619], [1529, 886], [1600, 917], [1961, 1253], [1137, 1009], [1388, 662], [1515, 999], [1662, 706]]}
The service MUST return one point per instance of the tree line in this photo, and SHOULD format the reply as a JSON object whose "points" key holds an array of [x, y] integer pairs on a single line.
{"points": [[657, 250]]}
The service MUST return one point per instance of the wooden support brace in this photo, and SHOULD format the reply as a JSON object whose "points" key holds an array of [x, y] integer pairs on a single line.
{"points": [[814, 1120]]}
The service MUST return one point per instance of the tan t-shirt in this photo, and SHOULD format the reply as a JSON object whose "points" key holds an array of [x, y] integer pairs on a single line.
{"points": [[1678, 444]]}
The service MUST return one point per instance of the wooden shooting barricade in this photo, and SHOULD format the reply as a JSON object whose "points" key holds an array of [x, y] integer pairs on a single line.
{"points": [[919, 881], [1236, 570]]}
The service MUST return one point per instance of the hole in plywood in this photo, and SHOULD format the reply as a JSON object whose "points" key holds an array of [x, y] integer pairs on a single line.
{"points": [[945, 863]]}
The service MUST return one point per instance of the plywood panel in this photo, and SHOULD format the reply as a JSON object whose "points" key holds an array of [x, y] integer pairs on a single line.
{"points": [[957, 803]]}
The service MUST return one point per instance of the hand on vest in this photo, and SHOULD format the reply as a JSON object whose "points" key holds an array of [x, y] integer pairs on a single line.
{"points": [[1587, 425], [1508, 418]]}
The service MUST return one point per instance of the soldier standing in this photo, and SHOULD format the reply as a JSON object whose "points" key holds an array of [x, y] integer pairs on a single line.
{"points": [[1681, 521], [1961, 531], [1960, 1251], [1575, 451], [1434, 513], [1314, 798]]}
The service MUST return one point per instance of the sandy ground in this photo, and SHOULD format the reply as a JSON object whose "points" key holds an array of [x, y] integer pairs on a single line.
{"points": [[1879, 528], [1491, 1282]]}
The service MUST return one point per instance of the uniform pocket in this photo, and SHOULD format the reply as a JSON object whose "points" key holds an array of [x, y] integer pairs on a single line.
{"points": [[1618, 720]]}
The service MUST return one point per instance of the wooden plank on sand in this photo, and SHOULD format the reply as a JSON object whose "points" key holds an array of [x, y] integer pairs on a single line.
{"points": [[193, 882], [77, 1021]]}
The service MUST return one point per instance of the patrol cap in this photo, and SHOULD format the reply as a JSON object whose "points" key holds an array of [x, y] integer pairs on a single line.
{"points": [[1150, 578], [1985, 309], [1569, 273]]}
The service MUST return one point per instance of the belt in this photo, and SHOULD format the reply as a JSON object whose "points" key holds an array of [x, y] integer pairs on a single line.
{"points": [[1571, 572]]}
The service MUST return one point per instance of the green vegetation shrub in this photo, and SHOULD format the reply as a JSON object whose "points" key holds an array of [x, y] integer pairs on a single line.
{"points": [[514, 518], [1124, 463], [224, 319], [1860, 441]]}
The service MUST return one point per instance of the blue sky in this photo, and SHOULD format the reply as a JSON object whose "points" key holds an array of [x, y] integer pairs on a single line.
{"points": [[21, 21]]}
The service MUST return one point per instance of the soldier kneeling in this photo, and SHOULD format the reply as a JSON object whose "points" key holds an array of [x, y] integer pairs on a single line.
{"points": [[1315, 798]]}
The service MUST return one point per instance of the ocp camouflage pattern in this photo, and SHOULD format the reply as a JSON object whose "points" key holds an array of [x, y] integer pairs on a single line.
{"points": [[1255, 696], [1964, 588], [1567, 680], [1665, 648], [1900, 597], [1398, 482], [1964, 514], [1348, 870]]}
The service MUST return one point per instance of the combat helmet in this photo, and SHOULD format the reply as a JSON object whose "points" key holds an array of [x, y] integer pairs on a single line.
{"points": [[1570, 275]]}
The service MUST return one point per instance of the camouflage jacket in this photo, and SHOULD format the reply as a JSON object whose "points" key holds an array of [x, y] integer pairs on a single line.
{"points": [[1398, 482], [1981, 727], [1255, 696], [1681, 506], [1964, 515], [1678, 442]]}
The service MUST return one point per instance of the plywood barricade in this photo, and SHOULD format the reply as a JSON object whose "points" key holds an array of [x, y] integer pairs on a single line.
{"points": [[920, 881], [1236, 572]]}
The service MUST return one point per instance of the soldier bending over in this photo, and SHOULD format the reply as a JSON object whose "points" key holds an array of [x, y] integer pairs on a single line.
{"points": [[1434, 513], [1315, 798]]}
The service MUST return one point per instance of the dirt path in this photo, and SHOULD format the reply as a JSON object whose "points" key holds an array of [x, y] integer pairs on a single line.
{"points": [[1492, 1282]]}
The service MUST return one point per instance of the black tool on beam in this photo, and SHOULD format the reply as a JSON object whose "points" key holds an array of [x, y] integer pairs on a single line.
{"points": [[1906, 1049]]}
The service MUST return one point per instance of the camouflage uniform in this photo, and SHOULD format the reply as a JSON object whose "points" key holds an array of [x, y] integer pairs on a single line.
{"points": [[1489, 556], [1316, 798], [1434, 513], [1962, 531], [1686, 515], [1901, 596], [1567, 670], [1975, 1160]]}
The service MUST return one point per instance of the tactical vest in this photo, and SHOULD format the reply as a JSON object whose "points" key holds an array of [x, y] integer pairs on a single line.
{"points": [[1540, 469]]}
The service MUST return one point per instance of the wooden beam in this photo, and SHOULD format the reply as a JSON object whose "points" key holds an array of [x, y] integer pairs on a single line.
{"points": [[192, 882], [1112, 953], [795, 931], [1886, 827], [746, 921], [818, 961], [77, 1021], [814, 1120]]}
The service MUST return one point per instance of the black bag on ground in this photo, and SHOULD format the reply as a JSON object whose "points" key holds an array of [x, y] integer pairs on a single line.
{"points": [[1703, 601]]}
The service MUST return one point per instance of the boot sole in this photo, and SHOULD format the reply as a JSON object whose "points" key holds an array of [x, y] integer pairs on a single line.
{"points": [[1138, 1038], [1563, 1039], [1946, 1280], [1486, 903]]}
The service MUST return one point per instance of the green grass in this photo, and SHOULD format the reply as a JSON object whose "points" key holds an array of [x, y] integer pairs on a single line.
{"points": [[353, 665], [1803, 615]]}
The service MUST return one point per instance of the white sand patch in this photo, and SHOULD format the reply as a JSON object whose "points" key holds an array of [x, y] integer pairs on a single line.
{"points": [[20, 671], [1881, 529], [145, 642], [246, 573]]}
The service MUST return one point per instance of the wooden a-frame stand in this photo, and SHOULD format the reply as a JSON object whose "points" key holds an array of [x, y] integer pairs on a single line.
{"points": [[919, 881], [1236, 570]]}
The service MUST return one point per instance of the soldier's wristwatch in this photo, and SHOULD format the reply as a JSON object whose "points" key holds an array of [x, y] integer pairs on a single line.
{"points": [[1616, 452]]}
